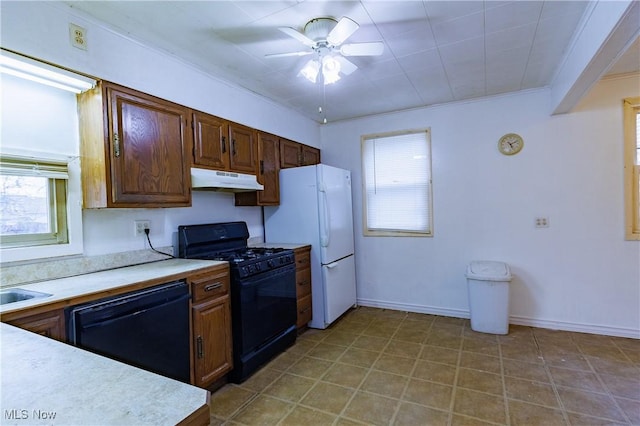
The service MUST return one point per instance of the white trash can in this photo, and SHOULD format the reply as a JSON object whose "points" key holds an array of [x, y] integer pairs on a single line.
{"points": [[488, 284]]}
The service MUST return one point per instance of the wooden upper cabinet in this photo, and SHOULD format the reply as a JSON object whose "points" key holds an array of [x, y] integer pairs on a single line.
{"points": [[223, 145], [268, 174], [244, 151], [210, 141], [294, 154], [310, 155], [133, 149]]}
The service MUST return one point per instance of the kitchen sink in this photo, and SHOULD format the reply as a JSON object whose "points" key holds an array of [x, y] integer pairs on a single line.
{"points": [[19, 294]]}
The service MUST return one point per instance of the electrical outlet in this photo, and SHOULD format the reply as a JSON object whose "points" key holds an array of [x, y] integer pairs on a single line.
{"points": [[140, 226], [542, 222], [78, 36]]}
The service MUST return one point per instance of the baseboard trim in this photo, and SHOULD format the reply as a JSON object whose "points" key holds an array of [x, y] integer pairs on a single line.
{"points": [[513, 319]]}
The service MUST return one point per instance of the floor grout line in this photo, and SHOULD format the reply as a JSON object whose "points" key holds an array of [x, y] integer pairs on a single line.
{"points": [[401, 342]]}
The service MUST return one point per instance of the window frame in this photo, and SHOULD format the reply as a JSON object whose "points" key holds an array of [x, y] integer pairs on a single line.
{"points": [[72, 210], [368, 232], [57, 212], [631, 109]]}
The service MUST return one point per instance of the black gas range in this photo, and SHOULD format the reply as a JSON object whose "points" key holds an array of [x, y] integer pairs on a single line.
{"points": [[263, 293]]}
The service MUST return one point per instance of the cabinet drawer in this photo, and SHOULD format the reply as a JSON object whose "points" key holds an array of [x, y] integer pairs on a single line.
{"points": [[304, 311], [209, 285], [303, 283]]}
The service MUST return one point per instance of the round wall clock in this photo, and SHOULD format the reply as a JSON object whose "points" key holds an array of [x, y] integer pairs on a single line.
{"points": [[510, 144]]}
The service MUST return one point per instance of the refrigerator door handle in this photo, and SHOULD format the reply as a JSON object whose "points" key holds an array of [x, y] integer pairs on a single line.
{"points": [[324, 239], [332, 265]]}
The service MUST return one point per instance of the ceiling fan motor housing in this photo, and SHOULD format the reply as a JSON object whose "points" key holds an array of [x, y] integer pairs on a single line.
{"points": [[319, 28]]}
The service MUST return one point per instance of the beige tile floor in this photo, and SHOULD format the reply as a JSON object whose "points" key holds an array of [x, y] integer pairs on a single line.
{"points": [[383, 367]]}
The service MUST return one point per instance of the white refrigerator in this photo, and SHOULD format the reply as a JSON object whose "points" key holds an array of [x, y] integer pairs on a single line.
{"points": [[315, 208]]}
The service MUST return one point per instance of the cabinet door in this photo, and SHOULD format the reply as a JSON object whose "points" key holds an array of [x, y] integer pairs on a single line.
{"points": [[310, 155], [268, 169], [212, 340], [149, 138], [289, 153], [243, 149], [49, 324], [303, 286], [210, 138]]}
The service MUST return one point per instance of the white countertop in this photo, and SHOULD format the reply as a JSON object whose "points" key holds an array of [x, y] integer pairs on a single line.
{"points": [[288, 246], [72, 287], [48, 382]]}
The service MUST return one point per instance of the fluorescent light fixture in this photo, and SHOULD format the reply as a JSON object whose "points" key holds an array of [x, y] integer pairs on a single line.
{"points": [[40, 72]]}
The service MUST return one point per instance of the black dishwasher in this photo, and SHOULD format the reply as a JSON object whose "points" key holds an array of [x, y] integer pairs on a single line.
{"points": [[147, 328]]}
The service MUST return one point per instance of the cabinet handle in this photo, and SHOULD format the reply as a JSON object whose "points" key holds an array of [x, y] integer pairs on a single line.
{"points": [[213, 286], [199, 346], [262, 167], [116, 145], [305, 282], [224, 144], [233, 147]]}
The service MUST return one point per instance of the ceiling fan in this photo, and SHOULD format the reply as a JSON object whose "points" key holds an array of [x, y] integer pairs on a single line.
{"points": [[324, 37]]}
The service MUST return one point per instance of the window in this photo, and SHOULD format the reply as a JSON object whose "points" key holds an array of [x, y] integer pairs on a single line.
{"points": [[632, 167], [397, 184], [33, 202], [40, 186]]}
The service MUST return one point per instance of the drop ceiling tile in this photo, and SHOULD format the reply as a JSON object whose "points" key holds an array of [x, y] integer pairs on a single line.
{"points": [[414, 41], [463, 28], [466, 51], [259, 9], [379, 69], [420, 60], [513, 14], [522, 36], [215, 14], [440, 11], [560, 8], [394, 10]]}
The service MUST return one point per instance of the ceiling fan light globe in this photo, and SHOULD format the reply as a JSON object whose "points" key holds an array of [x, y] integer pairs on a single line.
{"points": [[330, 65], [310, 70], [330, 78]]}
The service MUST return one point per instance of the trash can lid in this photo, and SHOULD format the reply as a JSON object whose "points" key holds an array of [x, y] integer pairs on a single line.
{"points": [[488, 270]]}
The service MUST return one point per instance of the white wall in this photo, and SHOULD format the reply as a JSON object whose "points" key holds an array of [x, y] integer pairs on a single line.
{"points": [[578, 274], [40, 30]]}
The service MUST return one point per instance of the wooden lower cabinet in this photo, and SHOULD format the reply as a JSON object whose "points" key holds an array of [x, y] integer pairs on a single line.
{"points": [[303, 285], [48, 324], [211, 321]]}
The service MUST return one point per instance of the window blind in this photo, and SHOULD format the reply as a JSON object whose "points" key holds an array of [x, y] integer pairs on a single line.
{"points": [[24, 166], [397, 175]]}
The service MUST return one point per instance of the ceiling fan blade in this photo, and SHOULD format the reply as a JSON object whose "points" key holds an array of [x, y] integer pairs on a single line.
{"points": [[283, 55], [346, 66], [374, 48], [342, 31], [298, 36]]}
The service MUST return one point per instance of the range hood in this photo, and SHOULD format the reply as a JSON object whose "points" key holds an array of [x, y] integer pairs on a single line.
{"points": [[217, 180]]}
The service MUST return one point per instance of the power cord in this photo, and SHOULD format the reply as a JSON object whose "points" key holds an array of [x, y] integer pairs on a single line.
{"points": [[146, 232]]}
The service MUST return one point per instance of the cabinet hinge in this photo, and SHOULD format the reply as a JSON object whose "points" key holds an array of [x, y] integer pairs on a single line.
{"points": [[116, 145]]}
